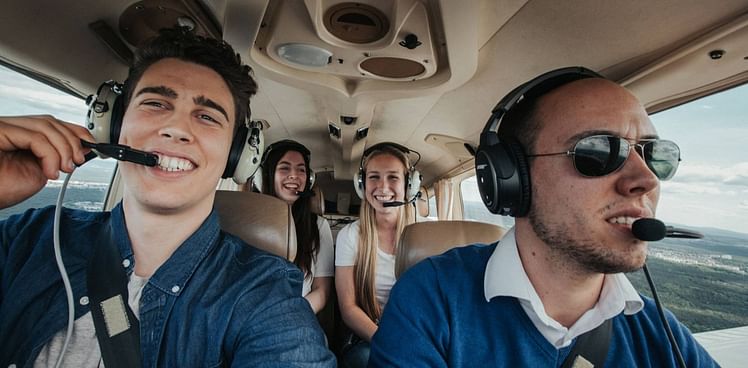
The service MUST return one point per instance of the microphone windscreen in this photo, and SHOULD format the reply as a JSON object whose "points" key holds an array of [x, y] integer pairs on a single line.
{"points": [[649, 229]]}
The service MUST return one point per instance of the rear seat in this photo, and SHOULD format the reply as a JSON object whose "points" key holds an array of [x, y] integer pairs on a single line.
{"points": [[263, 221], [424, 239]]}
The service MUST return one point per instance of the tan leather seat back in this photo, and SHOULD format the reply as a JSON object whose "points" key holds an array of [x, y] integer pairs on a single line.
{"points": [[318, 201], [262, 221], [425, 239]]}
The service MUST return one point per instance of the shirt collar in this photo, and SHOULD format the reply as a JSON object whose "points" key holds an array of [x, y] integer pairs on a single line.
{"points": [[172, 276], [505, 276]]}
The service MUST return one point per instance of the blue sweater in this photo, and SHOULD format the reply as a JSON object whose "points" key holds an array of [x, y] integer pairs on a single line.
{"points": [[437, 316]]}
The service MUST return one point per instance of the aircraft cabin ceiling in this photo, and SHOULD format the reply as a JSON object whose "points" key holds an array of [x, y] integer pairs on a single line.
{"points": [[339, 75]]}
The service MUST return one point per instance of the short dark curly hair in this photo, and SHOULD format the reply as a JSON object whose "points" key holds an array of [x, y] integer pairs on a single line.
{"points": [[180, 43]]}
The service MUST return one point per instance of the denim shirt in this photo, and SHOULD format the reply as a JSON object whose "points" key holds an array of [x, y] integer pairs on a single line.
{"points": [[216, 302]]}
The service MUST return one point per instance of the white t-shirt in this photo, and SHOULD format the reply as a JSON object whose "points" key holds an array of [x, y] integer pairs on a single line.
{"points": [[346, 250], [323, 266], [83, 349]]}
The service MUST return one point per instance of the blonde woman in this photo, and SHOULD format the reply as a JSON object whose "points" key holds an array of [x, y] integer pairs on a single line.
{"points": [[365, 249]]}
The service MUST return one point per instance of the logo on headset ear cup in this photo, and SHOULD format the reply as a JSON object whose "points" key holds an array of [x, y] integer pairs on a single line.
{"points": [[503, 179]]}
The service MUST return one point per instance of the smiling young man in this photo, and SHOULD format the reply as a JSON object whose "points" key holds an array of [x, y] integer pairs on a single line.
{"points": [[202, 297], [593, 165]]}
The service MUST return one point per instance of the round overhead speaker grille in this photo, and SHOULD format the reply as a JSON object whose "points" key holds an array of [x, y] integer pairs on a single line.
{"points": [[392, 67], [356, 23]]}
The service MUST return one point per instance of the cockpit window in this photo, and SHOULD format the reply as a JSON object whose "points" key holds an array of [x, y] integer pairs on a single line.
{"points": [[705, 282], [20, 95]]}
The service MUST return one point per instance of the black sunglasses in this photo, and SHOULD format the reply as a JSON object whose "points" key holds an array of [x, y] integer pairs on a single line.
{"points": [[600, 155]]}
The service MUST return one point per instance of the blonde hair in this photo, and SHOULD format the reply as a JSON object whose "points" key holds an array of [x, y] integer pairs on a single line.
{"points": [[364, 268]]}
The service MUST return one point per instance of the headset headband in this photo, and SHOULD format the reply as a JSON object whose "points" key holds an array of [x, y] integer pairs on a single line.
{"points": [[396, 146], [288, 145], [530, 91]]}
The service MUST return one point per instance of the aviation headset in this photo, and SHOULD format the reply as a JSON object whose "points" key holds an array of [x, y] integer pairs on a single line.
{"points": [[104, 120], [286, 145], [501, 166], [412, 179]]}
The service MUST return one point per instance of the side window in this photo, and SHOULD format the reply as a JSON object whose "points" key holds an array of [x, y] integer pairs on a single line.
{"points": [[473, 208], [432, 208], [705, 282], [87, 189]]}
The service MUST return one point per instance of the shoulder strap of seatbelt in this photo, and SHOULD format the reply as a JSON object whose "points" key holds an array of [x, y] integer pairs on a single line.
{"points": [[592, 346], [117, 328]]}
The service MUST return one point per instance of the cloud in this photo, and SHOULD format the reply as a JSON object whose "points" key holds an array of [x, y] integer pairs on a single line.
{"points": [[712, 175], [695, 188], [743, 205], [20, 100], [50, 97]]}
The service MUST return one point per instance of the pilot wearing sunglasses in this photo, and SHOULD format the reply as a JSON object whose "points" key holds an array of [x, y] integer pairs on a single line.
{"points": [[576, 160]]}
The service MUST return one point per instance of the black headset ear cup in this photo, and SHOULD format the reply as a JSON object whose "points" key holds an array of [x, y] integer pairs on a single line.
{"points": [[501, 167], [235, 152], [523, 172], [503, 179], [118, 113]]}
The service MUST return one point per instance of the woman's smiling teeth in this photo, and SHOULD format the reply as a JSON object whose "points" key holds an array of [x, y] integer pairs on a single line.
{"points": [[383, 198], [168, 163]]}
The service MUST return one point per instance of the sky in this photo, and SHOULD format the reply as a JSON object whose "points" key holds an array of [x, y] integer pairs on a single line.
{"points": [[710, 188]]}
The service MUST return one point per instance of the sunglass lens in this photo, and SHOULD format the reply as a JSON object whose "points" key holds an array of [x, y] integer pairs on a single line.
{"points": [[600, 155], [662, 157]]}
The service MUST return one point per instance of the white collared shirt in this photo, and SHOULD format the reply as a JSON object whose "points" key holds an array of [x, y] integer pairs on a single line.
{"points": [[505, 276]]}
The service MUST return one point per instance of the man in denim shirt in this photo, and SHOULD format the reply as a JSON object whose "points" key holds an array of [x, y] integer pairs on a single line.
{"points": [[203, 297]]}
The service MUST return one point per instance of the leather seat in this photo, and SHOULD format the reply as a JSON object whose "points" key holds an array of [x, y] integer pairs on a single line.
{"points": [[262, 221], [425, 239]]}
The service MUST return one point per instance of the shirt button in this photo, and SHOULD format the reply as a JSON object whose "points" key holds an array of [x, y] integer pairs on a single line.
{"points": [[126, 263], [175, 289], [84, 300]]}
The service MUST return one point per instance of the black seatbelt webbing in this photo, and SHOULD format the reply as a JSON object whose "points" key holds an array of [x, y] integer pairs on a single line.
{"points": [[117, 328], [592, 346]]}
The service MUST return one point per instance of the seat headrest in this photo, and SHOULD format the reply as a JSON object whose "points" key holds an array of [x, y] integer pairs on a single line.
{"points": [[318, 201], [262, 221], [425, 239]]}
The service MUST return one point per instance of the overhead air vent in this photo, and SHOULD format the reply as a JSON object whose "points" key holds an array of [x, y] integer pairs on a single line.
{"points": [[392, 67], [143, 19], [356, 23]]}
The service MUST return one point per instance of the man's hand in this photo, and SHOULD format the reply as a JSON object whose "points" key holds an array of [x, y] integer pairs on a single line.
{"points": [[34, 149]]}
